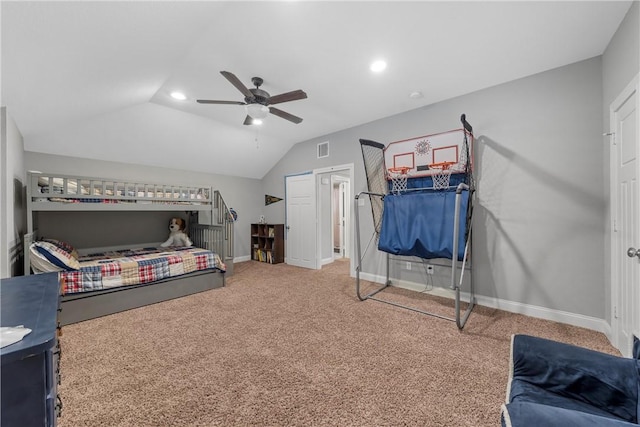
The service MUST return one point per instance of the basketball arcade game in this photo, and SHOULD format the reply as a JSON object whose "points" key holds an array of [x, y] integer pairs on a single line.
{"points": [[421, 191]]}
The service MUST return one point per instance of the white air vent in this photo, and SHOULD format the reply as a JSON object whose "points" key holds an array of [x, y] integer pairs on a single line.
{"points": [[323, 149]]}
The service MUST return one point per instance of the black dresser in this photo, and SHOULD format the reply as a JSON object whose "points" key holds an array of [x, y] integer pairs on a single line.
{"points": [[30, 368]]}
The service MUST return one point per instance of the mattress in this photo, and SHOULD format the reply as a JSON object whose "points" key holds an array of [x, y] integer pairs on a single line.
{"points": [[129, 267]]}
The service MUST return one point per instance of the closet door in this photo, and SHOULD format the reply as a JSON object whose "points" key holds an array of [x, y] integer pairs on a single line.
{"points": [[625, 216], [300, 227]]}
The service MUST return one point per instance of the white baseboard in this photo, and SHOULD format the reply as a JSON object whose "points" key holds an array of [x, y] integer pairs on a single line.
{"points": [[241, 259], [580, 320], [326, 261]]}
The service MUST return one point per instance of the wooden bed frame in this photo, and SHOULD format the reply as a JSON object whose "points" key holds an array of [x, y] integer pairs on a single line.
{"points": [[123, 196]]}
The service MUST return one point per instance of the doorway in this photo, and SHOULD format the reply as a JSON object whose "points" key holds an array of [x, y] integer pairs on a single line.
{"points": [[334, 213], [340, 219]]}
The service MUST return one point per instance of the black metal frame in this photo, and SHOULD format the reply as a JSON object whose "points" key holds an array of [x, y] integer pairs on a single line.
{"points": [[377, 194]]}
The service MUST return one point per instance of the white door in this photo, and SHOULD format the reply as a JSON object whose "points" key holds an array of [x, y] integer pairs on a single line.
{"points": [[301, 220], [625, 236]]}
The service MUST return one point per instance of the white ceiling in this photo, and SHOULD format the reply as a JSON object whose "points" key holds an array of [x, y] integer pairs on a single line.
{"points": [[92, 79]]}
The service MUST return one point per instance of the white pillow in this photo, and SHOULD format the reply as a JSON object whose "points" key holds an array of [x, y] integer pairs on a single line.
{"points": [[47, 257]]}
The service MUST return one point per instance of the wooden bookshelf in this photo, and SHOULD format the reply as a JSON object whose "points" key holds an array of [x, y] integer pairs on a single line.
{"points": [[267, 243]]}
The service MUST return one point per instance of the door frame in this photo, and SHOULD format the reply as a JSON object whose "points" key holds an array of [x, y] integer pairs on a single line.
{"points": [[340, 180], [615, 253], [348, 167]]}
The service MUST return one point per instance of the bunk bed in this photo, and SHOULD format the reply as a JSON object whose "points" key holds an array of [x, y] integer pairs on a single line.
{"points": [[421, 194], [102, 280]]}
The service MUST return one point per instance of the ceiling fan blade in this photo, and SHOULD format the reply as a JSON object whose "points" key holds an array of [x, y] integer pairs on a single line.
{"points": [[210, 101], [237, 83], [248, 120], [289, 96], [285, 115]]}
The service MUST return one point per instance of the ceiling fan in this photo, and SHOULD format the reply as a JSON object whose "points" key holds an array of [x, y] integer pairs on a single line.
{"points": [[257, 101]]}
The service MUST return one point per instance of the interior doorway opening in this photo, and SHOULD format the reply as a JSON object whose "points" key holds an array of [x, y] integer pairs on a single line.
{"points": [[340, 218], [334, 212]]}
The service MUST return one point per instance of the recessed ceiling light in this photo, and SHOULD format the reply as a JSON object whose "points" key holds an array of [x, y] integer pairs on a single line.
{"points": [[415, 95], [178, 95], [256, 121], [378, 66]]}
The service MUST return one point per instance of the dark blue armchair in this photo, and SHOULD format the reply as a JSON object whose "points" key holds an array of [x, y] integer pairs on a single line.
{"points": [[557, 384]]}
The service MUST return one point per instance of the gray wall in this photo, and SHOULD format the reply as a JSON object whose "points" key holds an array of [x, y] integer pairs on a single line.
{"points": [[538, 225], [12, 197], [620, 63], [102, 229], [242, 194]]}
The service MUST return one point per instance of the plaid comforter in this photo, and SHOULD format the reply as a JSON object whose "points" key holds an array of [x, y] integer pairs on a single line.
{"points": [[136, 266]]}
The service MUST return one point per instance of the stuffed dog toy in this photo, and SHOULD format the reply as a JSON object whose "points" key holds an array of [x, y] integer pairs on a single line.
{"points": [[177, 235]]}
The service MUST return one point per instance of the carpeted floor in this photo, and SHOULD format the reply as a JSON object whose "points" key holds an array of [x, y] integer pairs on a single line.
{"points": [[285, 346]]}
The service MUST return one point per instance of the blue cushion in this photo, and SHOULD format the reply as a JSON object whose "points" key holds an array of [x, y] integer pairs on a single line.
{"points": [[528, 414], [522, 391], [564, 375]]}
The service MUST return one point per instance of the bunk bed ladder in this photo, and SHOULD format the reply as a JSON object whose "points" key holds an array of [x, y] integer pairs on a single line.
{"points": [[217, 236], [225, 219]]}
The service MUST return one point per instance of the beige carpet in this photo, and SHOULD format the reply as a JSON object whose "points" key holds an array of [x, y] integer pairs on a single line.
{"points": [[285, 346]]}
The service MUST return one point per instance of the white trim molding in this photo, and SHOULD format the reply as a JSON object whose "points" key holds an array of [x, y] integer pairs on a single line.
{"points": [[574, 319]]}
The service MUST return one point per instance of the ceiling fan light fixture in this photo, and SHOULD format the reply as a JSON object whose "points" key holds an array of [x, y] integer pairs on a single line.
{"points": [[257, 102], [257, 111]]}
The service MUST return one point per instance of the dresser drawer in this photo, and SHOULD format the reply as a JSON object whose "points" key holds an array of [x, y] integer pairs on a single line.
{"points": [[29, 369]]}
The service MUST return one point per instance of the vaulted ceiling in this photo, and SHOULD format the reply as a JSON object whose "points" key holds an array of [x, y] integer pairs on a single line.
{"points": [[93, 79]]}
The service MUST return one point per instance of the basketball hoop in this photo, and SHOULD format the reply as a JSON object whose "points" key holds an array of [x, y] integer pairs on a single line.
{"points": [[441, 174], [399, 178]]}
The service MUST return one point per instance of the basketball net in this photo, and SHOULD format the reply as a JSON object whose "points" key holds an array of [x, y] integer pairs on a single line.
{"points": [[398, 179], [441, 175]]}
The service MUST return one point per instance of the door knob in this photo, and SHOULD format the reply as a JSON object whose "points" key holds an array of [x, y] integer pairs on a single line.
{"points": [[631, 252]]}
